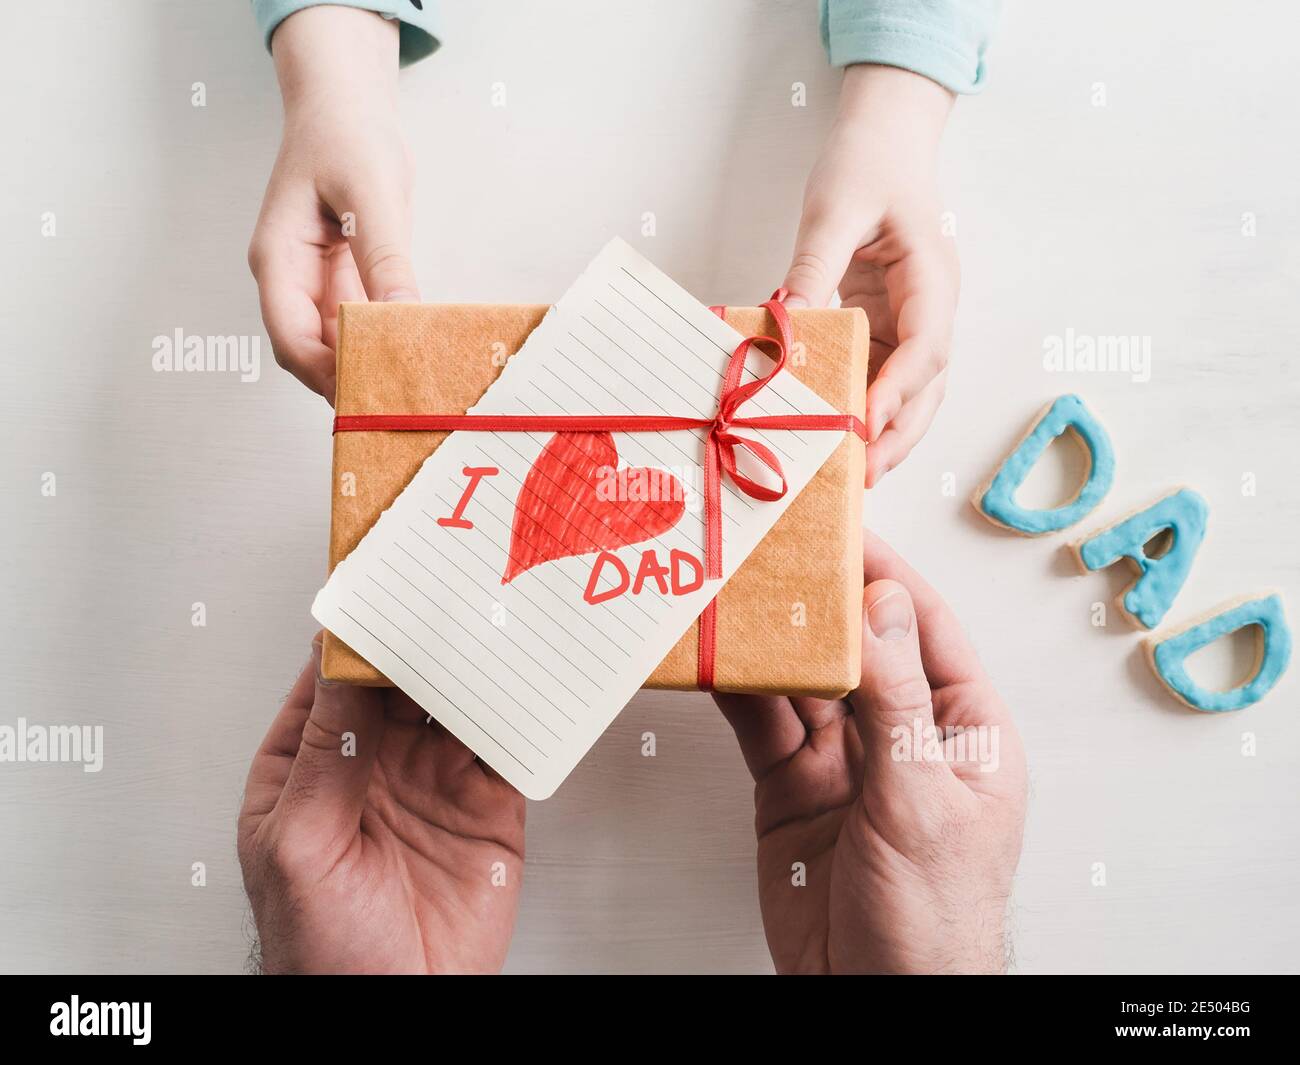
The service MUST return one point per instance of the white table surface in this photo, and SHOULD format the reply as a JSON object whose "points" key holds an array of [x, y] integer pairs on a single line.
{"points": [[177, 488]]}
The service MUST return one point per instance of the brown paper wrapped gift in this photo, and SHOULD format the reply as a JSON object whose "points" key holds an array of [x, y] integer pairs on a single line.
{"points": [[789, 620]]}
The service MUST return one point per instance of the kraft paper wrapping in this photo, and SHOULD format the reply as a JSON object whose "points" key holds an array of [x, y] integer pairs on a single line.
{"points": [[790, 618]]}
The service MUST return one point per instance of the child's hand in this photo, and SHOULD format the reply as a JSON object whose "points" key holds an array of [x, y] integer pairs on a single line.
{"points": [[871, 227], [336, 221]]}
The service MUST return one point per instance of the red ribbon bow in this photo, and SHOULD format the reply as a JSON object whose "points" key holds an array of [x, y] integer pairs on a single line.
{"points": [[720, 452]]}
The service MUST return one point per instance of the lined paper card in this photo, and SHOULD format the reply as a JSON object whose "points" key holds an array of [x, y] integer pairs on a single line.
{"points": [[524, 584]]}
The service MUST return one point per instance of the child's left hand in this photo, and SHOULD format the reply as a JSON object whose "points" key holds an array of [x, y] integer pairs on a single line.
{"points": [[871, 228]]}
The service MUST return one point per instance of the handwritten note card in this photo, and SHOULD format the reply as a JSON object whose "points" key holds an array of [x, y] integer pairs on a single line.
{"points": [[524, 584]]}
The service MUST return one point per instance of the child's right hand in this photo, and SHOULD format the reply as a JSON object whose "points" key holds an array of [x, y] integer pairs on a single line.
{"points": [[871, 228], [336, 220]]}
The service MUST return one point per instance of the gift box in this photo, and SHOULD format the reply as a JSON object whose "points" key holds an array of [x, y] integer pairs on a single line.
{"points": [[789, 619]]}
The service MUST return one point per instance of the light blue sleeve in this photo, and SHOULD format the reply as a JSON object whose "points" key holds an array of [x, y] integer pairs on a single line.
{"points": [[942, 39], [421, 33]]}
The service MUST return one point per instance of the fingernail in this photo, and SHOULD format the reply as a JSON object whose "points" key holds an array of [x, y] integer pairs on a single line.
{"points": [[793, 303], [890, 616], [402, 296], [316, 645]]}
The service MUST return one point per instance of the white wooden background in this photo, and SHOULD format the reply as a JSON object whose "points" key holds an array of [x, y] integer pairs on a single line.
{"points": [[1122, 219]]}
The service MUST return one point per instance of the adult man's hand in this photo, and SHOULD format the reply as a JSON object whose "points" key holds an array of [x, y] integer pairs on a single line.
{"points": [[374, 842], [883, 844]]}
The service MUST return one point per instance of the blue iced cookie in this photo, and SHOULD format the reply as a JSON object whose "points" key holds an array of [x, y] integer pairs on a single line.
{"points": [[1168, 654], [995, 499], [1147, 600]]}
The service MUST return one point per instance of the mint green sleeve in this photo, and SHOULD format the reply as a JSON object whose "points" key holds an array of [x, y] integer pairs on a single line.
{"points": [[942, 39], [420, 31]]}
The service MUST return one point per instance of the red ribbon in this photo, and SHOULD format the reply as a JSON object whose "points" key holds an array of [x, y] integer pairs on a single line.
{"points": [[720, 452]]}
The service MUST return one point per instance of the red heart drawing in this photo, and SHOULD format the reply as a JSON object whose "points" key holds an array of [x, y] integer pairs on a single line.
{"points": [[575, 501]]}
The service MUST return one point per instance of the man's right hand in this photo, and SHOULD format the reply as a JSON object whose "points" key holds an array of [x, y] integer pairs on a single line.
{"points": [[877, 853]]}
